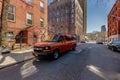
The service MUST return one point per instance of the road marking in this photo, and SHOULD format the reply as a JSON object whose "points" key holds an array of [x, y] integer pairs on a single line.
{"points": [[78, 51], [98, 72], [89, 47]]}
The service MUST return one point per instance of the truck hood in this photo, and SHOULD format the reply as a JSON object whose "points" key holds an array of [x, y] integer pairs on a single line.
{"points": [[42, 44]]}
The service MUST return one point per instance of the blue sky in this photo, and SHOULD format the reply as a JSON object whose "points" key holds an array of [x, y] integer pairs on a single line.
{"points": [[49, 1], [97, 14]]}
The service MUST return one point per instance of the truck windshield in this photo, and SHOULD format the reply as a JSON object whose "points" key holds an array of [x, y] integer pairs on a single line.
{"points": [[52, 38]]}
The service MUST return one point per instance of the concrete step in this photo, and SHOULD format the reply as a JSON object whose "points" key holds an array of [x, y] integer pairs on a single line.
{"points": [[17, 46]]}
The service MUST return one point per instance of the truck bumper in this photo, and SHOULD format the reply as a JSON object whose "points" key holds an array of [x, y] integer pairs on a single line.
{"points": [[36, 54]]}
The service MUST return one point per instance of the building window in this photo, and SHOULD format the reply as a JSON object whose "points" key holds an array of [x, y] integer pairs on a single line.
{"points": [[72, 15], [61, 19], [11, 13], [67, 19], [29, 19], [72, 11], [41, 22], [57, 19], [66, 11], [29, 2], [58, 13], [72, 20], [41, 6], [72, 5], [10, 36]]}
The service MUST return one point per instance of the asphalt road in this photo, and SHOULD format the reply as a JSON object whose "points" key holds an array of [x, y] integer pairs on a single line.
{"points": [[88, 62]]}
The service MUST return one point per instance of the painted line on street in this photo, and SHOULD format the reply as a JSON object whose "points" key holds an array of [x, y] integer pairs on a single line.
{"points": [[89, 47], [98, 72]]}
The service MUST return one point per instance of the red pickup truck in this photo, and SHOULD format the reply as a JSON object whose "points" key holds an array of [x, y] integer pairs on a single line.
{"points": [[54, 46]]}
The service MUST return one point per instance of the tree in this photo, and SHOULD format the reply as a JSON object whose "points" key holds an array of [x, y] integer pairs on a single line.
{"points": [[3, 23]]}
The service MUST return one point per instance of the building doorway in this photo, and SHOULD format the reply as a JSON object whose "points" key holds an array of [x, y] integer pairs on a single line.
{"points": [[35, 38], [22, 37]]}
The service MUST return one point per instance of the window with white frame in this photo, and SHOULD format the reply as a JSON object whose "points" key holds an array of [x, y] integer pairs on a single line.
{"points": [[29, 19], [66, 10], [29, 2], [10, 36], [57, 19], [11, 13], [41, 22], [41, 6], [67, 19], [72, 11]]}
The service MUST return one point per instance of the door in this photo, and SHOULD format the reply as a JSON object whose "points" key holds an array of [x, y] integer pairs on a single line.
{"points": [[68, 43], [35, 38], [22, 37], [62, 44]]}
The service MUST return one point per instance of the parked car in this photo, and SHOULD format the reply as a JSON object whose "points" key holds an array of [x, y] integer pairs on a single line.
{"points": [[99, 42], [54, 46], [83, 41], [114, 45]]}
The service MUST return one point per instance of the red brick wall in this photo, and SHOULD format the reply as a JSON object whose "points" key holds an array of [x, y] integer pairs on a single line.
{"points": [[113, 24], [21, 8], [31, 32]]}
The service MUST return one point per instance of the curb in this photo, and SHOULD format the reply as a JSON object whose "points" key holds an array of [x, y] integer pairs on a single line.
{"points": [[16, 63], [30, 50]]}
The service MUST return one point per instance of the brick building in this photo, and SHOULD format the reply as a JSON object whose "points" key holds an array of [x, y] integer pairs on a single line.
{"points": [[66, 16], [27, 21], [113, 23], [83, 4]]}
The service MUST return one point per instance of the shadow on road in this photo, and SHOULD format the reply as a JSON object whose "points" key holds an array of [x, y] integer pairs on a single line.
{"points": [[6, 59]]}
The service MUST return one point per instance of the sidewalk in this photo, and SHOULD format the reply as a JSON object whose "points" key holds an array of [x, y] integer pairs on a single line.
{"points": [[16, 56]]}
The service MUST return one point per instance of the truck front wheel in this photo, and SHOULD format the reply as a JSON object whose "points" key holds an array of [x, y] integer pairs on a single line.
{"points": [[74, 48], [55, 54]]}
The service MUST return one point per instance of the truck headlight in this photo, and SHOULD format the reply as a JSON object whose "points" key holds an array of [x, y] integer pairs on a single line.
{"points": [[47, 48]]}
